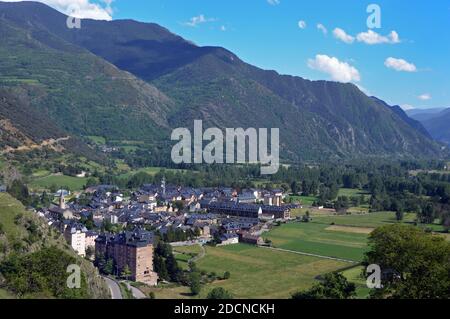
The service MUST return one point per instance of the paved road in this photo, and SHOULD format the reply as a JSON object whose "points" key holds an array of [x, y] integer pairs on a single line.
{"points": [[311, 255], [114, 288], [136, 292]]}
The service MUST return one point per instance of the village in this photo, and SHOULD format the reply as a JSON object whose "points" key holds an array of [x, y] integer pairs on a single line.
{"points": [[102, 221]]}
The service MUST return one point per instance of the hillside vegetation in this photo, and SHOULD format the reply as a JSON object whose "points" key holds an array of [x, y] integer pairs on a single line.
{"points": [[34, 258]]}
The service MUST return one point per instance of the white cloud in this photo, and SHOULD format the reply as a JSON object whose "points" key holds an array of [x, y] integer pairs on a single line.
{"points": [[223, 28], [425, 97], [83, 9], [195, 21], [322, 28], [273, 2], [400, 65], [343, 36], [371, 37], [302, 24], [338, 71]]}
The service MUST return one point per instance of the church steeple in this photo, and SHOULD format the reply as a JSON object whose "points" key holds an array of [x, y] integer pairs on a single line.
{"points": [[62, 201]]}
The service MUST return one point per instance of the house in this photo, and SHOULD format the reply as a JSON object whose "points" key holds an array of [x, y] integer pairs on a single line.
{"points": [[229, 239], [75, 234], [91, 236], [248, 238], [276, 212]]}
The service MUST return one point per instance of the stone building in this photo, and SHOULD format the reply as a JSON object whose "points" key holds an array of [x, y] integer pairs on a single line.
{"points": [[133, 249]]}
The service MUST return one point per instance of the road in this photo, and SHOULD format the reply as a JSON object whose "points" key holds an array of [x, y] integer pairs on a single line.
{"points": [[135, 291], [114, 288], [311, 255]]}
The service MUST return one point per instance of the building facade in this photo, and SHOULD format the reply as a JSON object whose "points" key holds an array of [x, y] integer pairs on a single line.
{"points": [[130, 249]]}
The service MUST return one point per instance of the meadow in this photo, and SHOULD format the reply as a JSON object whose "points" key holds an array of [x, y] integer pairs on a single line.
{"points": [[60, 181], [314, 238], [255, 272]]}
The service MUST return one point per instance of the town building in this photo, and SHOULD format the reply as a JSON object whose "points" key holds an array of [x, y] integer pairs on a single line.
{"points": [[229, 239], [75, 235], [130, 249]]}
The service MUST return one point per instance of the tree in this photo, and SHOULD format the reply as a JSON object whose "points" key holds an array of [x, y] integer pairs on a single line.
{"points": [[219, 293], [172, 268], [195, 282], [126, 272], [419, 260], [160, 267], [19, 191], [334, 286], [109, 267], [226, 275], [399, 215]]}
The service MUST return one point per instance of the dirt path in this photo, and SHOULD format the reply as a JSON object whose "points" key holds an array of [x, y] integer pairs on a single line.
{"points": [[307, 254], [46, 143]]}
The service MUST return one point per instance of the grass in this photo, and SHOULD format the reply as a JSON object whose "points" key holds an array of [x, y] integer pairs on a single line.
{"points": [[9, 208], [351, 192], [363, 220], [304, 200], [151, 171], [4, 294], [354, 275], [126, 293], [100, 140], [185, 253], [262, 273], [255, 272], [314, 238], [72, 183]]}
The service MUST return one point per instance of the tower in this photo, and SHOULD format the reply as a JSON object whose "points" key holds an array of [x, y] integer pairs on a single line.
{"points": [[62, 201], [163, 185]]}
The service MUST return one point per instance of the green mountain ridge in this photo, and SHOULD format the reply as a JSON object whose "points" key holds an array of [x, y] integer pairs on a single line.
{"points": [[85, 95]]}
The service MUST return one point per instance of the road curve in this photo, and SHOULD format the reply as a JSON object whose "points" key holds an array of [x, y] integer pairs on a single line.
{"points": [[114, 288], [136, 292]]}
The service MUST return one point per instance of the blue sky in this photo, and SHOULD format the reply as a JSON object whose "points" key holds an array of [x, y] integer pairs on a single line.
{"points": [[411, 66]]}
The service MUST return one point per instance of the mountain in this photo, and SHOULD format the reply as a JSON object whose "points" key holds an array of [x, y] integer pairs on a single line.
{"points": [[404, 115], [423, 114], [437, 123], [128, 80]]}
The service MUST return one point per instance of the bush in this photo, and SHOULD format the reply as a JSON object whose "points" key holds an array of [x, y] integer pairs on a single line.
{"points": [[219, 293]]}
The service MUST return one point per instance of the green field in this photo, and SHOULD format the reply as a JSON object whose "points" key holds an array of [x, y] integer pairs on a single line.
{"points": [[304, 200], [72, 183], [150, 171], [372, 220], [354, 275], [185, 253], [255, 272], [263, 273], [314, 238], [351, 192], [100, 140]]}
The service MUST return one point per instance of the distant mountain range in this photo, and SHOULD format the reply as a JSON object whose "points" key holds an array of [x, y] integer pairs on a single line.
{"points": [[127, 80], [436, 121]]}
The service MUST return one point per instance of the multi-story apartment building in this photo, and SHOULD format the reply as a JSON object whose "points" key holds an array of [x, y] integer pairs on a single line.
{"points": [[133, 249]]}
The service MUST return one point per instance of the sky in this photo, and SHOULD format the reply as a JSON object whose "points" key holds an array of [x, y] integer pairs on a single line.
{"points": [[401, 55]]}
